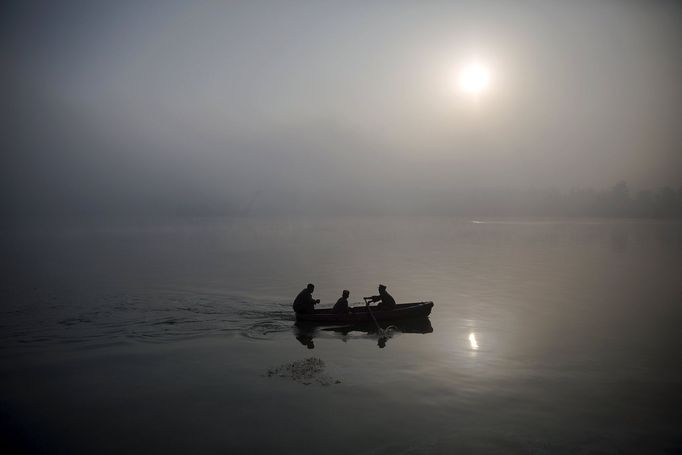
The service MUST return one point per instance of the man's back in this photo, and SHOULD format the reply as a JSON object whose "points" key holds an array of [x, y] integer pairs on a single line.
{"points": [[301, 299], [304, 302]]}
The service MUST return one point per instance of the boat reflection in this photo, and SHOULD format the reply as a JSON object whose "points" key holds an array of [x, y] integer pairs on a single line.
{"points": [[306, 332]]}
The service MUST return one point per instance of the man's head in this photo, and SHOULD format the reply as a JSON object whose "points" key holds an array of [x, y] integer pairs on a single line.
{"points": [[345, 293], [310, 287], [382, 287]]}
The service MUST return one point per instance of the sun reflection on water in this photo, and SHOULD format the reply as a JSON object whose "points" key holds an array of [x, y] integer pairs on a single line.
{"points": [[473, 342]]}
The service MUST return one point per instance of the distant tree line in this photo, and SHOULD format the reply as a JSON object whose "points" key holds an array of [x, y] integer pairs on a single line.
{"points": [[617, 201]]}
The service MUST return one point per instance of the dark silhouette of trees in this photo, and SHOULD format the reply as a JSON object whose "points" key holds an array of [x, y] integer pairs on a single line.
{"points": [[617, 201]]}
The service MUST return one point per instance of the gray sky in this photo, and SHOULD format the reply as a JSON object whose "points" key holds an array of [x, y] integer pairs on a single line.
{"points": [[292, 104]]}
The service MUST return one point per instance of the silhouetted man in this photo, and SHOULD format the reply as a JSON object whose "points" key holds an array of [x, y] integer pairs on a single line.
{"points": [[304, 302], [386, 300], [341, 305]]}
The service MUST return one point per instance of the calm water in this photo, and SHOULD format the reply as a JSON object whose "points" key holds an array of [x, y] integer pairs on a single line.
{"points": [[547, 337]]}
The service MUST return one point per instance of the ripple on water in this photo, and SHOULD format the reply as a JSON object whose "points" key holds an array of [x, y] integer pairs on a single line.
{"points": [[265, 330], [148, 317]]}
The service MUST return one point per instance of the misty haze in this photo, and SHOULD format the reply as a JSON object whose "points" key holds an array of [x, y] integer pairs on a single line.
{"points": [[188, 188]]}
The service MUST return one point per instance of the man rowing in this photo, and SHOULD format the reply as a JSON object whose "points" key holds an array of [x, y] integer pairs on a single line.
{"points": [[386, 300]]}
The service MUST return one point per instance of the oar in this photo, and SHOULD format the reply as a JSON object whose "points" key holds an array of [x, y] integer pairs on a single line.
{"points": [[381, 331]]}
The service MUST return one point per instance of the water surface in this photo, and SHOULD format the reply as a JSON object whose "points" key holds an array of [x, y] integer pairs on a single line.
{"points": [[548, 336]]}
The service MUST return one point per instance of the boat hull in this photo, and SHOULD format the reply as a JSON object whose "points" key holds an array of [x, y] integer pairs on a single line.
{"points": [[360, 314]]}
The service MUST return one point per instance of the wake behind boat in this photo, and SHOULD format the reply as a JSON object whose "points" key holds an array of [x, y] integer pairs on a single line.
{"points": [[361, 314]]}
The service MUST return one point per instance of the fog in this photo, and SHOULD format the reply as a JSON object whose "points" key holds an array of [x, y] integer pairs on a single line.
{"points": [[306, 107]]}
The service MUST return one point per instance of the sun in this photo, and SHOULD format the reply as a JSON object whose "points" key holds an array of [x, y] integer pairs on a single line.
{"points": [[474, 79]]}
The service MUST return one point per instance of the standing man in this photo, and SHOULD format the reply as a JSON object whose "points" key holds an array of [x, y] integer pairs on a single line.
{"points": [[304, 302]]}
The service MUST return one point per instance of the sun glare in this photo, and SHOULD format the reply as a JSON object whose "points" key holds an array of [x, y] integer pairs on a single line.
{"points": [[473, 342], [474, 79]]}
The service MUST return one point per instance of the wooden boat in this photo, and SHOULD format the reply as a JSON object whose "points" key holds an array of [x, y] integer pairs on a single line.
{"points": [[360, 314]]}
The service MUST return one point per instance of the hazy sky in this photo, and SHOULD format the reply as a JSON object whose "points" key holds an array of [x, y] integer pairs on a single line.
{"points": [[153, 104]]}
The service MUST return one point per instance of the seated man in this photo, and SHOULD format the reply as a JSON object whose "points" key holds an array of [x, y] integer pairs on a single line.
{"points": [[341, 305], [304, 302], [386, 300]]}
